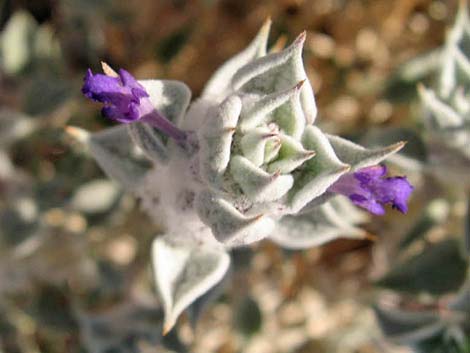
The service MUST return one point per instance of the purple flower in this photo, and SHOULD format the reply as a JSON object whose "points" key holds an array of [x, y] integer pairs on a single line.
{"points": [[123, 96], [126, 100], [370, 189]]}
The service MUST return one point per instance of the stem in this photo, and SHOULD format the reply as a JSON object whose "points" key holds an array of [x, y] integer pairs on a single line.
{"points": [[165, 126], [186, 140]]}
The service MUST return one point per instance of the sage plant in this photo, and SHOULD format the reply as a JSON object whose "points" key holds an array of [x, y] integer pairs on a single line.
{"points": [[447, 107], [241, 163], [441, 324]]}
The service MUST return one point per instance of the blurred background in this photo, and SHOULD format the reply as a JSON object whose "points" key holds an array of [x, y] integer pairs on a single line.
{"points": [[74, 260]]}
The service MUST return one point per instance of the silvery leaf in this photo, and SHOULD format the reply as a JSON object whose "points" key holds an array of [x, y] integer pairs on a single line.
{"points": [[458, 37], [283, 107], [199, 306], [347, 210], [443, 115], [116, 154], [170, 98], [318, 173], [149, 141], [254, 144], [447, 77], [323, 224], [215, 139], [219, 83], [183, 272], [290, 156], [258, 185], [228, 224], [277, 72], [462, 63], [359, 157]]}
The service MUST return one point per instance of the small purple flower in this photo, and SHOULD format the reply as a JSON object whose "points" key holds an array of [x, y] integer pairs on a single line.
{"points": [[126, 100], [370, 189]]}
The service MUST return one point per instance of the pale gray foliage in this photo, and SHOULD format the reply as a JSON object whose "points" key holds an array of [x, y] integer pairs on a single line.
{"points": [[447, 108], [256, 161]]}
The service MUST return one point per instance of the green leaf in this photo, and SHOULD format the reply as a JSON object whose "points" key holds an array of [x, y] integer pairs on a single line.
{"points": [[439, 269], [248, 317]]}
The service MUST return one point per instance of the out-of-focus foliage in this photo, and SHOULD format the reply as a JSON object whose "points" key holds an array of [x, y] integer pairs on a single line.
{"points": [[439, 267], [74, 250]]}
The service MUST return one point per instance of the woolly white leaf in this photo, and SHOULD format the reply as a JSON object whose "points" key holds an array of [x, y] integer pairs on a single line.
{"points": [[255, 143], [170, 98], [149, 141], [447, 80], [269, 108], [291, 155], [215, 139], [322, 225], [272, 149], [290, 116], [458, 37], [277, 72], [258, 185], [229, 225], [117, 156], [196, 309], [359, 157], [197, 114], [219, 84], [349, 213], [442, 114], [318, 173], [183, 272], [462, 63]]}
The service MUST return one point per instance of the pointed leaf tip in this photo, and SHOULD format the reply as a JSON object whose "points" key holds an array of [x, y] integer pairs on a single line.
{"points": [[184, 272], [77, 133], [300, 39], [167, 328], [266, 26], [108, 70], [299, 85]]}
